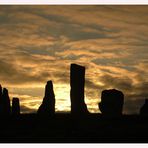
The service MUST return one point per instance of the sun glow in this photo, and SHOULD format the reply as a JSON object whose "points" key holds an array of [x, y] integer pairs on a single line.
{"points": [[62, 95], [30, 99]]}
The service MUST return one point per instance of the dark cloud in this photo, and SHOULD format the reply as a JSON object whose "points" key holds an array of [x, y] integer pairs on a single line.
{"points": [[25, 109], [91, 85], [122, 83], [133, 106], [32, 92], [12, 75]]}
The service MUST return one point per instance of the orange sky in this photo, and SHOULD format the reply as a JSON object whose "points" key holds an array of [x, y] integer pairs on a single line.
{"points": [[38, 43]]}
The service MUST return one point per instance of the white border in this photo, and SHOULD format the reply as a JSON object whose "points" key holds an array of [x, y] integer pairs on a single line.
{"points": [[76, 2], [74, 145]]}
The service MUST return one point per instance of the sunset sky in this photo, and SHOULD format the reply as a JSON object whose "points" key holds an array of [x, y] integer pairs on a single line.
{"points": [[38, 43]]}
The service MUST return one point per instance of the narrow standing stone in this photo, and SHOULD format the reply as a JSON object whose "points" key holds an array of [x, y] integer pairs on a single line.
{"points": [[77, 83], [48, 105], [5, 108], [144, 109], [15, 107]]}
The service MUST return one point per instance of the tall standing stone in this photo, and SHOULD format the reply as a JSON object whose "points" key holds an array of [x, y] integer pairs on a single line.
{"points": [[15, 107], [77, 83], [0, 93], [1, 100], [111, 102], [48, 105], [144, 109], [5, 108]]}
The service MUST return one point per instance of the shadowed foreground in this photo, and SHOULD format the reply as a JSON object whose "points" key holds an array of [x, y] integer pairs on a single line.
{"points": [[64, 128]]}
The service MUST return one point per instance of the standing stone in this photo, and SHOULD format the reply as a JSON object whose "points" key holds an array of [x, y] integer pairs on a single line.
{"points": [[48, 105], [77, 82], [1, 100], [5, 108], [0, 93], [15, 107], [111, 102], [144, 109]]}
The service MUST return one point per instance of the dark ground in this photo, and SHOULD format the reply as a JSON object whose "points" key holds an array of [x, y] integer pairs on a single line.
{"points": [[63, 128]]}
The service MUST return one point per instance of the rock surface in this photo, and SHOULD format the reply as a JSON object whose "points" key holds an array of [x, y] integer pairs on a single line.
{"points": [[5, 108], [144, 108], [112, 101], [48, 105], [15, 106], [77, 83]]}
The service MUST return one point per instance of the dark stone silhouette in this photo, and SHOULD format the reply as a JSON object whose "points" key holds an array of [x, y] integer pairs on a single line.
{"points": [[48, 105], [0, 93], [77, 82], [5, 108], [1, 100], [111, 102], [15, 107], [144, 108]]}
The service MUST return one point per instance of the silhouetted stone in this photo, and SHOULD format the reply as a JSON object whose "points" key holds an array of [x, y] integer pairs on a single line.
{"points": [[77, 82], [5, 108], [48, 105], [15, 107], [111, 102], [1, 101], [144, 108], [0, 93]]}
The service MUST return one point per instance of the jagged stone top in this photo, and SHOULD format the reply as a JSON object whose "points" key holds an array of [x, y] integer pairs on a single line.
{"points": [[48, 88], [113, 91], [5, 91], [111, 95], [146, 101], [77, 66], [49, 83], [15, 99]]}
